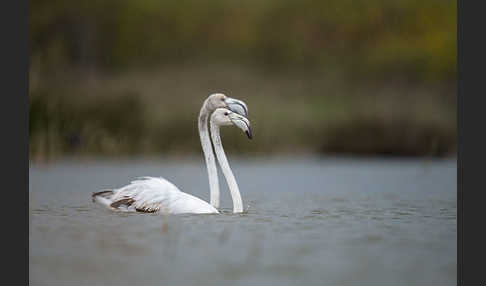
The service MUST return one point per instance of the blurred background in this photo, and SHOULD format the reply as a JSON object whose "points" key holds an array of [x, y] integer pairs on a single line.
{"points": [[127, 78], [350, 176]]}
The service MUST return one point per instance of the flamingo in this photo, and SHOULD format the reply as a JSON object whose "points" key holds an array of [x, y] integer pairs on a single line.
{"points": [[157, 195], [213, 102]]}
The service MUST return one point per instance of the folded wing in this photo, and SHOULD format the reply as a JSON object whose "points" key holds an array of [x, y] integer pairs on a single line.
{"points": [[152, 195]]}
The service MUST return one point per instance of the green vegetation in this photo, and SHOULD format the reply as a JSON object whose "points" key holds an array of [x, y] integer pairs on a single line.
{"points": [[128, 77]]}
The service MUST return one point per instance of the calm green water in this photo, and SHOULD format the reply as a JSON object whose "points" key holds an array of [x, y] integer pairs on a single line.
{"points": [[320, 221]]}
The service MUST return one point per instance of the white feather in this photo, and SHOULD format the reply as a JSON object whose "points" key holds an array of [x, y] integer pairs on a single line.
{"points": [[152, 194]]}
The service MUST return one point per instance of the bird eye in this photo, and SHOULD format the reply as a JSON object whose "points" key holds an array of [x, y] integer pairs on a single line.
{"points": [[226, 113]]}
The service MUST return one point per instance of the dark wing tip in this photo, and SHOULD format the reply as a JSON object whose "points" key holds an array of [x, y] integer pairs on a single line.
{"points": [[104, 193], [125, 202], [248, 133]]}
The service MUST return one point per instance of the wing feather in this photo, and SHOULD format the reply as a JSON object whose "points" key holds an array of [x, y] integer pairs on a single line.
{"points": [[156, 194]]}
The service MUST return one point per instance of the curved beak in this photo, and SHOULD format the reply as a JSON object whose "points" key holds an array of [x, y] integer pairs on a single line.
{"points": [[237, 106], [243, 123]]}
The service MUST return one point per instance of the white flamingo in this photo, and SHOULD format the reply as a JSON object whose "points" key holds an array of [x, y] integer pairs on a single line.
{"points": [[149, 194]]}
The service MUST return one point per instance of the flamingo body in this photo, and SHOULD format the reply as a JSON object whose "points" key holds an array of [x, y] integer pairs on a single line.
{"points": [[153, 195]]}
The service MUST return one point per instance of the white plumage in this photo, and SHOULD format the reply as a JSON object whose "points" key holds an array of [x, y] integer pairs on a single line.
{"points": [[150, 194]]}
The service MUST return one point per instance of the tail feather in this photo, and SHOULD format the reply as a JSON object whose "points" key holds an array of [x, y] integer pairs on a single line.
{"points": [[105, 194]]}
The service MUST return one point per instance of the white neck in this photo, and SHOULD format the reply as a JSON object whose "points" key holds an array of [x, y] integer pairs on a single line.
{"points": [[228, 174], [208, 154]]}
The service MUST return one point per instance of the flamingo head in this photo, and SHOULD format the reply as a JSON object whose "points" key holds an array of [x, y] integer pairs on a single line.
{"points": [[226, 117], [219, 100]]}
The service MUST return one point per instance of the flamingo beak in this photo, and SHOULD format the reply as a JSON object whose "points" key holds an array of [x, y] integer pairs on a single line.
{"points": [[243, 123], [237, 106], [248, 133]]}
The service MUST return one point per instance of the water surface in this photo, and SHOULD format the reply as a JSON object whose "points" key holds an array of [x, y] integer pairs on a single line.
{"points": [[321, 221]]}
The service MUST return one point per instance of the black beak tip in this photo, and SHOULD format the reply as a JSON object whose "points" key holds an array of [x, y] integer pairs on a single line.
{"points": [[248, 133]]}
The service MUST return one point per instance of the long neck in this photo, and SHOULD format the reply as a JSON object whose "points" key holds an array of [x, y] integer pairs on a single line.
{"points": [[208, 155], [228, 174]]}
